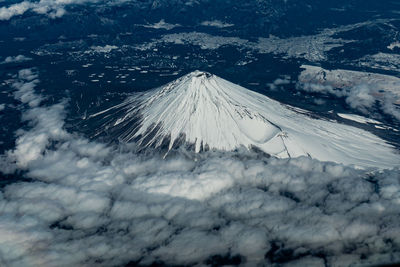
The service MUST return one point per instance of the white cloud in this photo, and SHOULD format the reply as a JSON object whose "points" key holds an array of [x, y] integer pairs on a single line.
{"points": [[319, 101], [92, 204], [56, 9], [51, 8], [279, 82], [7, 13], [360, 97], [25, 86], [16, 59], [320, 88]]}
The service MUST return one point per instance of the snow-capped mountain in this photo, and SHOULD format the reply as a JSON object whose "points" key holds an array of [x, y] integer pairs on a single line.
{"points": [[211, 113]]}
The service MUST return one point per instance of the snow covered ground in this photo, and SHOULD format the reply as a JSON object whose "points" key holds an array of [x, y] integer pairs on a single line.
{"points": [[358, 118], [360, 89], [212, 113]]}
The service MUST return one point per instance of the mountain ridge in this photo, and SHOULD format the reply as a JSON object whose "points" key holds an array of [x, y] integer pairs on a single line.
{"points": [[211, 113]]}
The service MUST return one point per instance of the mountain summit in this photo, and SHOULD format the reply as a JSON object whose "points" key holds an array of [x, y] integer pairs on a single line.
{"points": [[209, 112]]}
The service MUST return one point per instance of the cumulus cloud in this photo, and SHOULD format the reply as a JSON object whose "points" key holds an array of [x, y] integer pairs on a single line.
{"points": [[360, 98], [16, 59], [320, 88], [7, 13], [390, 104], [25, 86], [279, 82], [56, 9], [92, 204], [319, 101], [51, 8]]}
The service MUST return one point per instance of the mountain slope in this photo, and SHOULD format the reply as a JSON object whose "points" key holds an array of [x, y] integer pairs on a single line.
{"points": [[212, 113]]}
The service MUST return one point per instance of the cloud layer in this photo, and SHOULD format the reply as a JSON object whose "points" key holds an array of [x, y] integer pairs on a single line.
{"points": [[53, 9], [50, 8], [90, 204]]}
